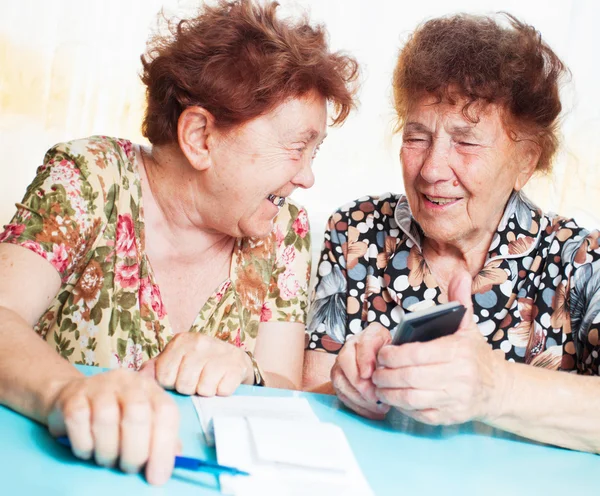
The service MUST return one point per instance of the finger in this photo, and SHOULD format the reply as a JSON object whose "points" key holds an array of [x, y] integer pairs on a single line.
{"points": [[136, 426], [167, 365], [189, 373], [228, 384], [212, 374], [367, 345], [363, 411], [410, 354], [106, 428], [346, 362], [429, 416], [164, 439], [409, 399], [73, 419], [459, 290], [418, 377], [352, 397], [148, 368]]}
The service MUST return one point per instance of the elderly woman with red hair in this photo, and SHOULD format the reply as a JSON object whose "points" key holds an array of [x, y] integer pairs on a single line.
{"points": [[478, 103], [185, 257]]}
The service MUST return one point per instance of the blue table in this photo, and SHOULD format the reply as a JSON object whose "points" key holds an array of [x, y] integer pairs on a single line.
{"points": [[398, 456]]}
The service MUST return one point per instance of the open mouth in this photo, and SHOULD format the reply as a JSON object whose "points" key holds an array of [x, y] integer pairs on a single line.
{"points": [[278, 201], [441, 200]]}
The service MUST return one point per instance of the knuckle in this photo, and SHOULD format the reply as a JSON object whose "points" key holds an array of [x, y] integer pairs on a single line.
{"points": [[106, 412], [206, 388], [75, 407], [185, 385], [226, 387], [137, 411], [122, 376], [165, 409]]}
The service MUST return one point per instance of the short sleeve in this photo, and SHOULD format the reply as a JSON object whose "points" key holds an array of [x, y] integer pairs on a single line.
{"points": [[584, 303], [327, 319], [57, 218], [287, 296]]}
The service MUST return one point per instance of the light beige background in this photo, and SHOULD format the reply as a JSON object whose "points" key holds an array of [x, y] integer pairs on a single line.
{"points": [[69, 68]]}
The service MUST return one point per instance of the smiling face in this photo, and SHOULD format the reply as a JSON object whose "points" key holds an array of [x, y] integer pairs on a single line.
{"points": [[458, 175], [256, 166]]}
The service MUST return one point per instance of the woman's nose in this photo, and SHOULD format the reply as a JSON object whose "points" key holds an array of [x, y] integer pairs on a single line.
{"points": [[436, 166], [305, 177]]}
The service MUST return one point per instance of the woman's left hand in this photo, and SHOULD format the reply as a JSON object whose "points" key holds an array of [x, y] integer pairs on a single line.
{"points": [[194, 363], [449, 380]]}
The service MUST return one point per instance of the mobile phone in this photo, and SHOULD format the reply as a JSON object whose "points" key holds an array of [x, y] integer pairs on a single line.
{"points": [[429, 324]]}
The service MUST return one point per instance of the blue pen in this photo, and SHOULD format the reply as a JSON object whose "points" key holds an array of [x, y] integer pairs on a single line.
{"points": [[187, 462]]}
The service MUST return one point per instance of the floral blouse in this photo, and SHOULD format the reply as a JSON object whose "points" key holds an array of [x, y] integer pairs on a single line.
{"points": [[84, 214], [537, 297]]}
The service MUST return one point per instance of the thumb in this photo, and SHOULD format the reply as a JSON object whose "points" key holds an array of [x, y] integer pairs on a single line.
{"points": [[459, 290]]}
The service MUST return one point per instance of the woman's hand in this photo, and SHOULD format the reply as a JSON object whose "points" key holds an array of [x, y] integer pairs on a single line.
{"points": [[119, 415], [449, 380], [194, 363], [353, 368]]}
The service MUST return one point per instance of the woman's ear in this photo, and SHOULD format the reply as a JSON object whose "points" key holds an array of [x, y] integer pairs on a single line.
{"points": [[529, 157], [193, 129]]}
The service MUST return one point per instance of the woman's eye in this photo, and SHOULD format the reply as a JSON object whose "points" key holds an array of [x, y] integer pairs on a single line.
{"points": [[465, 143], [415, 142]]}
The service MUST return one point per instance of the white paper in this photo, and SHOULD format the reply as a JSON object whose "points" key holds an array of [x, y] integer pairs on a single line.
{"points": [[308, 444], [249, 406], [287, 458]]}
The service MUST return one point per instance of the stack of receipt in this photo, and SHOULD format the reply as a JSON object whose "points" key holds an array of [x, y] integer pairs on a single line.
{"points": [[282, 444]]}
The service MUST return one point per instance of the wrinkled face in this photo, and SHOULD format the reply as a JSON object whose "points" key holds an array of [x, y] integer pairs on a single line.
{"points": [[458, 174], [262, 162]]}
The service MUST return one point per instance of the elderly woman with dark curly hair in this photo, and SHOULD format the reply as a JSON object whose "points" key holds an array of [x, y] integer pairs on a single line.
{"points": [[478, 103], [185, 257]]}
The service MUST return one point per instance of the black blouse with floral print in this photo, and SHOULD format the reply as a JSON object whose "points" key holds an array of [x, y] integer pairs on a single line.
{"points": [[537, 297]]}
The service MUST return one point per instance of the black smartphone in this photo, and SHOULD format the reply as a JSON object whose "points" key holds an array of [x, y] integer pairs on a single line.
{"points": [[429, 324]]}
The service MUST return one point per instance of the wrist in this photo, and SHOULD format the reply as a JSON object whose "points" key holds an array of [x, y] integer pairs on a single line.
{"points": [[48, 398], [502, 385]]}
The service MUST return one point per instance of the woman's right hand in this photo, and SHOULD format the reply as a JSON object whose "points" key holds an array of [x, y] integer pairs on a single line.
{"points": [[353, 368], [119, 415]]}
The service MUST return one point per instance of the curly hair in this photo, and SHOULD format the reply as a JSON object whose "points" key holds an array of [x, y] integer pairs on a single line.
{"points": [[238, 60], [480, 60]]}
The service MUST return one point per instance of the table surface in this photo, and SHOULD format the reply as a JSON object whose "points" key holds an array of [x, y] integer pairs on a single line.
{"points": [[398, 456]]}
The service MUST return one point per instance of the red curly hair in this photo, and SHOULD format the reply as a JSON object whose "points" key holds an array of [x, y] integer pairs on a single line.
{"points": [[476, 58], [238, 60]]}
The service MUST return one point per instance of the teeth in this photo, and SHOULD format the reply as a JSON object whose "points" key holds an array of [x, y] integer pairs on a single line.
{"points": [[278, 201], [439, 200]]}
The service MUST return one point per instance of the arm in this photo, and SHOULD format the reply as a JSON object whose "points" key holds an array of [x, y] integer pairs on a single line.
{"points": [[279, 351], [115, 417], [549, 406], [316, 377], [27, 285], [280, 343]]}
